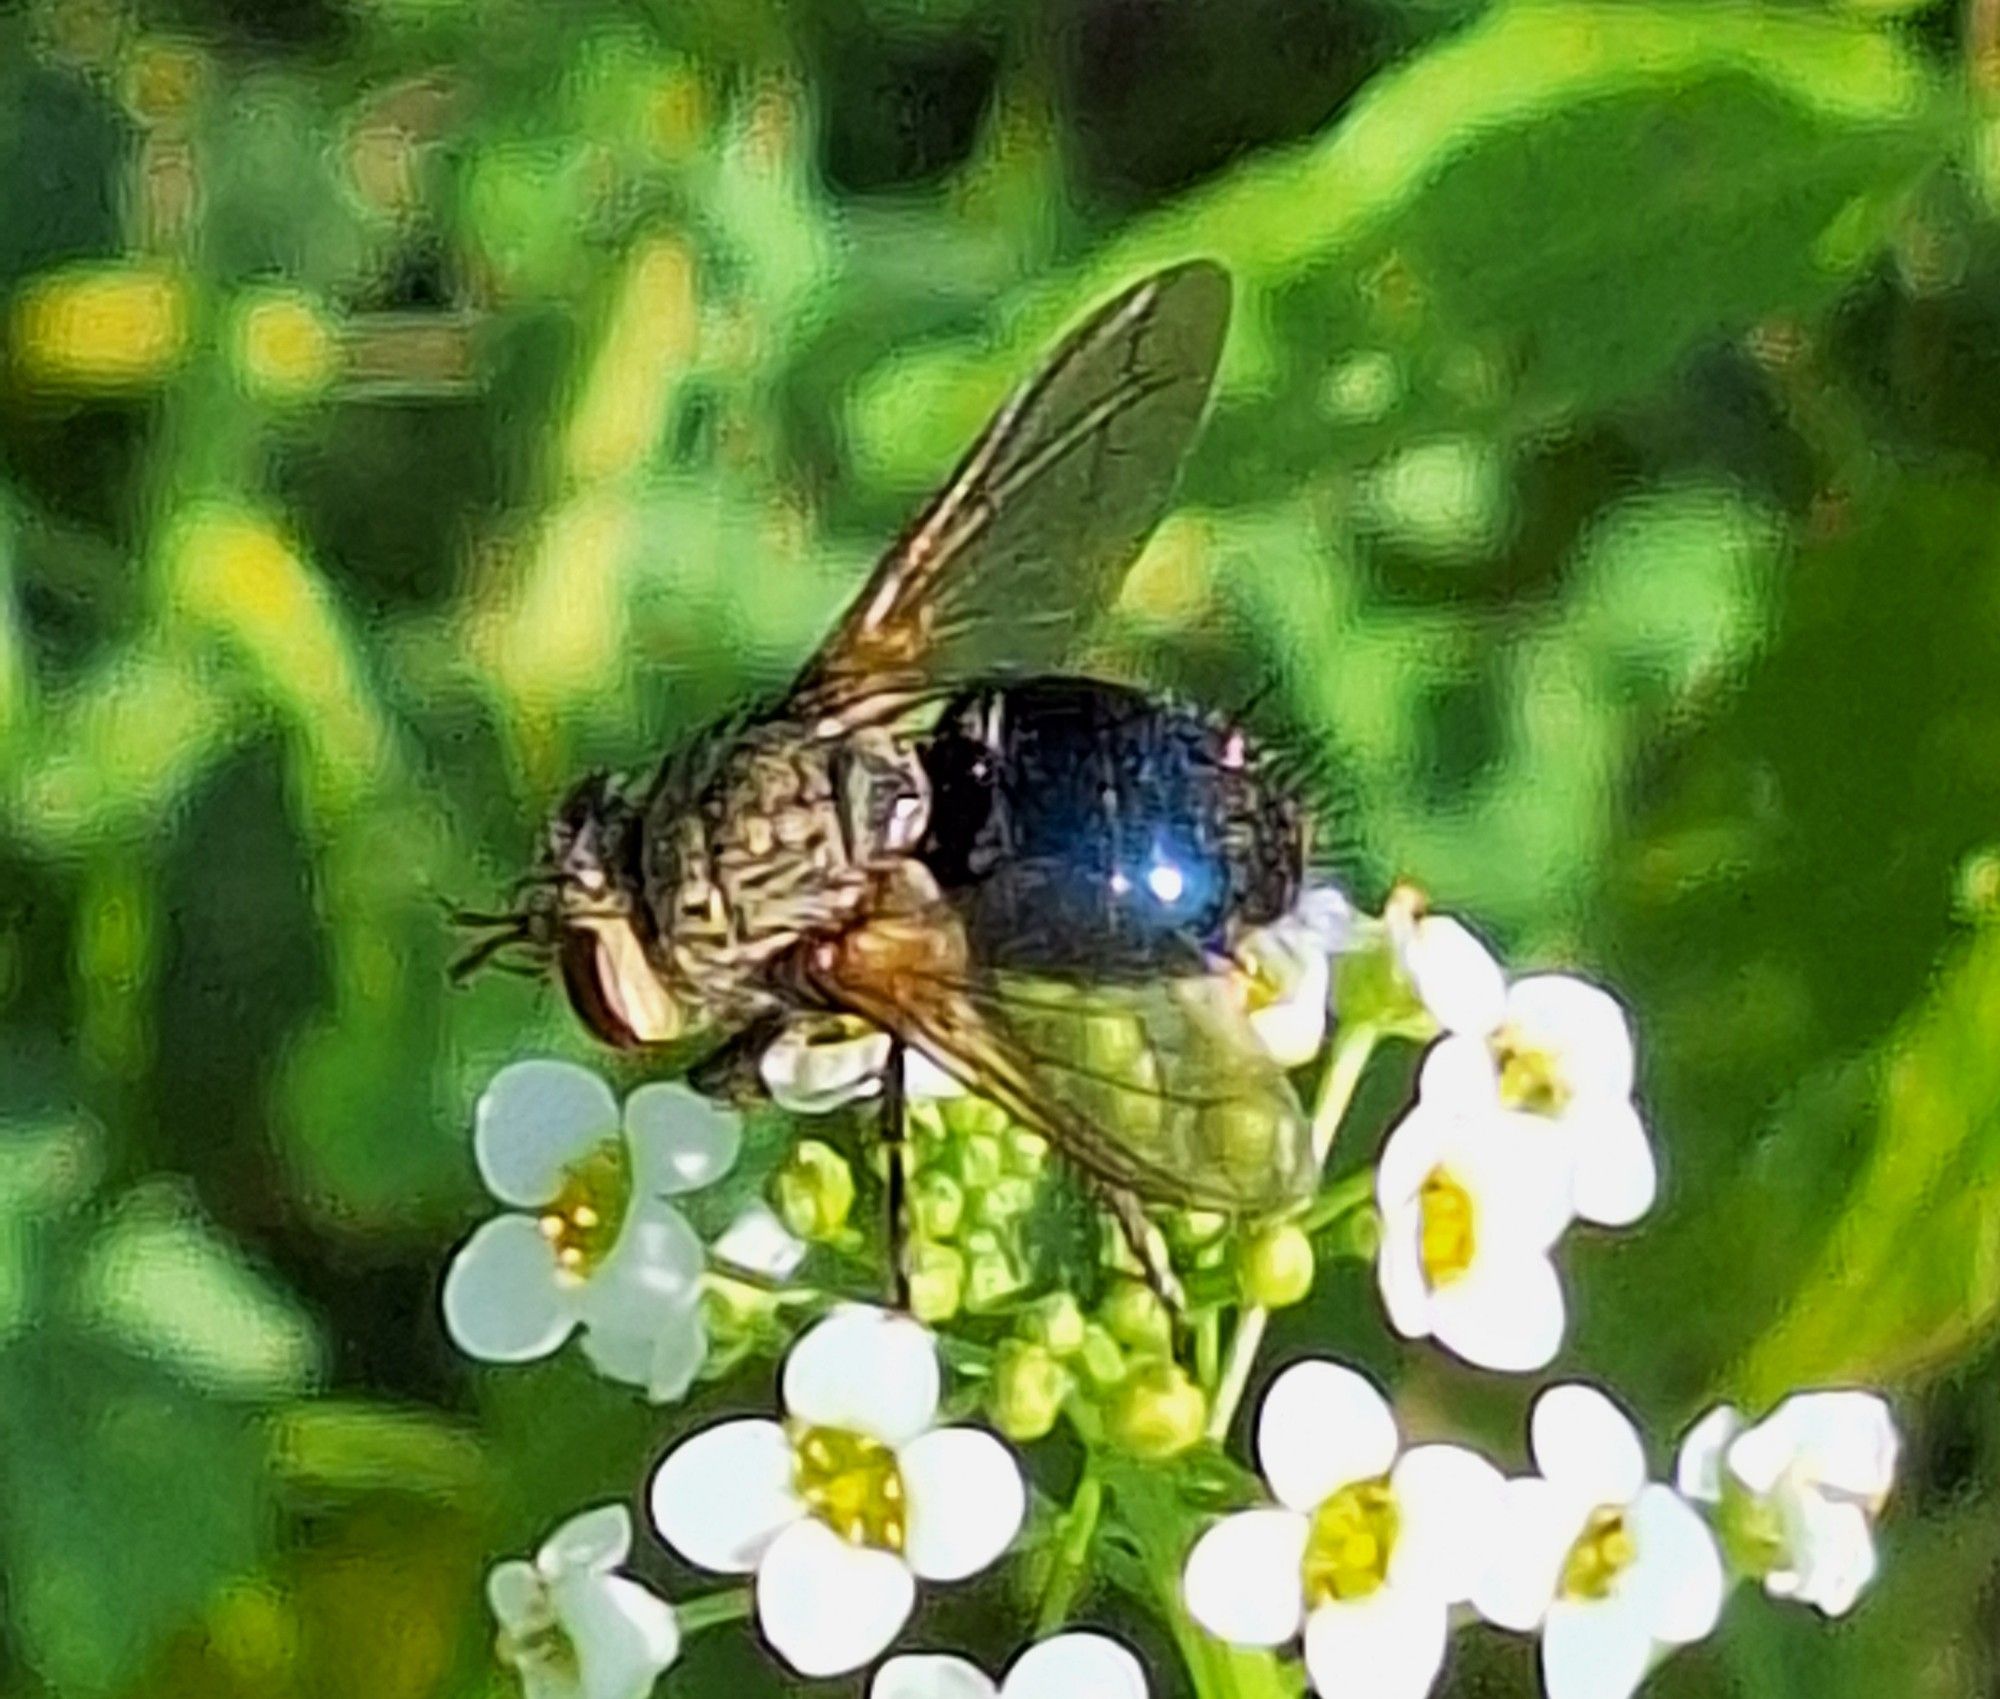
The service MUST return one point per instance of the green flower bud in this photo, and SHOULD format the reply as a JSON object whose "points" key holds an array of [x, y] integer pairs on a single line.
{"points": [[1136, 1317], [1191, 1229], [1028, 1389], [990, 1280], [1361, 1233], [1100, 1359], [1003, 1201], [1025, 1153], [979, 1160], [1160, 1412], [1056, 1322], [814, 1191], [937, 1282], [969, 1115], [1274, 1267], [937, 1202]]}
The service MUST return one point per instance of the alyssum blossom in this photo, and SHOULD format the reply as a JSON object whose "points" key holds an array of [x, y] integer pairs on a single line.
{"points": [[1610, 1567], [1548, 1046], [844, 1505], [1079, 1665], [571, 1625], [1799, 1492], [1471, 1206], [593, 1240], [1366, 1549]]}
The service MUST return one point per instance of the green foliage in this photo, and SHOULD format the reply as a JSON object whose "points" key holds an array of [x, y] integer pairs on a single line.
{"points": [[410, 403]]}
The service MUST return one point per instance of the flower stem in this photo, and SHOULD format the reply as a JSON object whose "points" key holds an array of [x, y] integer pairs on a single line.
{"points": [[1351, 1051], [1072, 1554], [711, 1610]]}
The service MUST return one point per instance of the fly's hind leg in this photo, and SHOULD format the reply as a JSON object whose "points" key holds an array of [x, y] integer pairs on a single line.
{"points": [[1146, 1243]]}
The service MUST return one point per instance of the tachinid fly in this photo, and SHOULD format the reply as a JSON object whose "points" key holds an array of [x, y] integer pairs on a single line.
{"points": [[1028, 876]]}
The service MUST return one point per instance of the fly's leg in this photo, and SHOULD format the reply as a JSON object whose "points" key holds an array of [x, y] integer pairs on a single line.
{"points": [[1147, 1244], [894, 1147]]}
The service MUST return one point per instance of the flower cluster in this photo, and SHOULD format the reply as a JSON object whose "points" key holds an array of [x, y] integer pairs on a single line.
{"points": [[875, 1478]]}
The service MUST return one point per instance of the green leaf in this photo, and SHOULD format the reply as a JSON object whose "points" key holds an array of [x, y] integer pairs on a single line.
{"points": [[166, 1285], [1543, 213], [124, 1501]]}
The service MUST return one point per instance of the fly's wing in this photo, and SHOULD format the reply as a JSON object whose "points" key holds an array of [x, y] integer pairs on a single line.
{"points": [[1158, 1087], [1031, 537]]}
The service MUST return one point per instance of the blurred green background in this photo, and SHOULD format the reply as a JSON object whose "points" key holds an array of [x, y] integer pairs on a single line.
{"points": [[409, 402]]}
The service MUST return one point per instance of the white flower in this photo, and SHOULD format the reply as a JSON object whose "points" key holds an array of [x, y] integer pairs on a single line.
{"points": [[1471, 1205], [759, 1243], [1549, 1046], [818, 1063], [841, 1508], [1364, 1552], [571, 1626], [1611, 1567], [1799, 1492], [1065, 1666], [600, 1247], [1286, 978]]}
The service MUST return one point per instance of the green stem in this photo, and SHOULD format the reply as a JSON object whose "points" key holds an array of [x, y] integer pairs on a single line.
{"points": [[1350, 1056], [1072, 1553], [712, 1610]]}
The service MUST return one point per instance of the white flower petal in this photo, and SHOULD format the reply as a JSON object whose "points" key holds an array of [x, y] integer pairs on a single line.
{"points": [[1616, 1179], [653, 1270], [1399, 1272], [1832, 1555], [1596, 1650], [1459, 1074], [624, 1635], [809, 1074], [1586, 1445], [721, 1496], [1389, 1645], [925, 1082], [1519, 1172], [593, 1540], [1448, 1504], [1538, 1525], [931, 1675], [759, 1243], [1322, 1426], [517, 1594], [1242, 1580], [866, 1370], [1076, 1666], [1326, 916], [1415, 1145], [966, 1499], [1507, 1316], [828, 1607], [680, 1140], [663, 1358], [533, 1121], [1675, 1581], [503, 1298], [1698, 1470], [1455, 976], [1287, 958], [1844, 1441], [1580, 1023]]}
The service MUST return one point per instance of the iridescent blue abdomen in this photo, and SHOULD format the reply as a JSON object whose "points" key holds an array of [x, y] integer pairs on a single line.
{"points": [[1088, 828]]}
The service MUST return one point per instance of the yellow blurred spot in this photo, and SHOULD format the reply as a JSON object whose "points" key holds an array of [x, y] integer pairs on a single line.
{"points": [[162, 80], [284, 347], [1170, 581], [105, 327], [647, 343], [677, 112]]}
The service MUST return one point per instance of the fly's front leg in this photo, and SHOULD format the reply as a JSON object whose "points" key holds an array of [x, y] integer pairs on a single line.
{"points": [[1147, 1243], [895, 1148]]}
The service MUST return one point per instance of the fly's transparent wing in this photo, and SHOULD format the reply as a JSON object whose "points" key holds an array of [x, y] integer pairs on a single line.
{"points": [[1160, 1087], [1030, 538]]}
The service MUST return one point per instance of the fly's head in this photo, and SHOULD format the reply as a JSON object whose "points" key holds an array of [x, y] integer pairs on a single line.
{"points": [[582, 911]]}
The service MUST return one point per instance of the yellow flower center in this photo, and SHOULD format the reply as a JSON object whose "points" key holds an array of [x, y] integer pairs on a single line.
{"points": [[851, 1483], [1353, 1534], [1530, 1078], [1447, 1239], [1602, 1552], [583, 1219]]}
